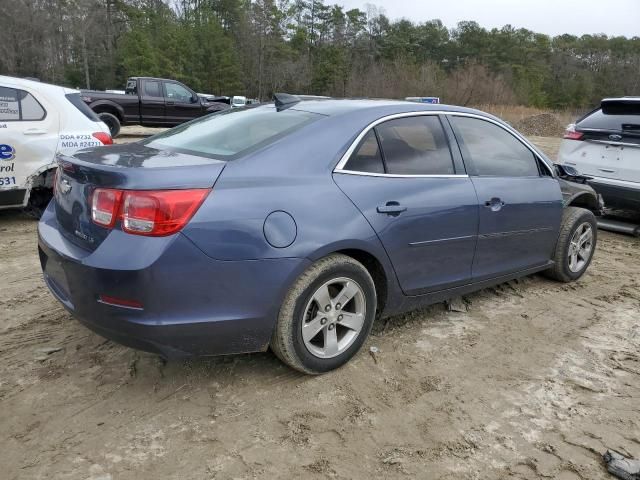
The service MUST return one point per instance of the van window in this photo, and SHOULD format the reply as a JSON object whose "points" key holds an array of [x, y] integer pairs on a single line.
{"points": [[76, 101], [18, 105], [9, 106]]}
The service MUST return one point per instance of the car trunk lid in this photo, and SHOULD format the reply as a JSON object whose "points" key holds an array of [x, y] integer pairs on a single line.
{"points": [[126, 167]]}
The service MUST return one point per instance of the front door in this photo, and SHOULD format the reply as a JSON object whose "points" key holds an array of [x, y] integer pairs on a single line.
{"points": [[520, 202], [422, 205], [28, 140], [181, 104]]}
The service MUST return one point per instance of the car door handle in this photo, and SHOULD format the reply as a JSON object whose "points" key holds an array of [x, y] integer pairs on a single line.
{"points": [[391, 208], [495, 204], [35, 131], [170, 103], [606, 170]]}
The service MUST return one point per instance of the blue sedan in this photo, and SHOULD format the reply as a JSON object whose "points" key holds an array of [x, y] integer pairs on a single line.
{"points": [[294, 225]]}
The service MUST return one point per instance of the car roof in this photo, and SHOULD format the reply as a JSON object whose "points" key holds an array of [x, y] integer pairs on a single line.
{"points": [[333, 107], [16, 82]]}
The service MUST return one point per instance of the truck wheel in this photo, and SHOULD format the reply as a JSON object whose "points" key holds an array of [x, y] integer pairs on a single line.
{"points": [[576, 245], [112, 122], [326, 316]]}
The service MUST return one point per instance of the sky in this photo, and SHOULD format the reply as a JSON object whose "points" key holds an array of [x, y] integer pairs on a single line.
{"points": [[553, 17]]}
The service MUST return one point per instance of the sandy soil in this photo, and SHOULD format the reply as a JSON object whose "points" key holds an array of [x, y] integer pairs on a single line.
{"points": [[536, 380]]}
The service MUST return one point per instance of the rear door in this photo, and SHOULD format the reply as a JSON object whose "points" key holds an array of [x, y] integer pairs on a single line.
{"points": [[412, 188], [152, 107], [606, 143], [520, 202], [28, 140], [181, 104]]}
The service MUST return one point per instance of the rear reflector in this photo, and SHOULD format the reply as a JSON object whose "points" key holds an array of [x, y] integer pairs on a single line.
{"points": [[119, 302], [571, 134], [146, 212], [104, 138]]}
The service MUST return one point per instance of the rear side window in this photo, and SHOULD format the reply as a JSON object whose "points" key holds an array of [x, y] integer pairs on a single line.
{"points": [[415, 146], [367, 156], [18, 105], [9, 106], [612, 121], [227, 135], [76, 101], [493, 150], [152, 89]]}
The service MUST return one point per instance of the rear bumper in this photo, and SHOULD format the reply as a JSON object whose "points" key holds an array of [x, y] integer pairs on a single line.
{"points": [[617, 193], [191, 303]]}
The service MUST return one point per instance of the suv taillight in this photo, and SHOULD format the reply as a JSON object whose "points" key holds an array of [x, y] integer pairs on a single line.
{"points": [[103, 137], [571, 134], [146, 212]]}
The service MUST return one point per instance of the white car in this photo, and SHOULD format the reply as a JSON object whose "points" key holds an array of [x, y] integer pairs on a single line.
{"points": [[238, 101], [605, 145], [38, 121]]}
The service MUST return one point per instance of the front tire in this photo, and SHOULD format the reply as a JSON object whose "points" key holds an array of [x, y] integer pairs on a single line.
{"points": [[326, 316], [576, 245]]}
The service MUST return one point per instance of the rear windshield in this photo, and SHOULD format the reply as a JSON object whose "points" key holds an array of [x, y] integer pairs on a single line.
{"points": [[598, 120], [77, 102], [229, 134]]}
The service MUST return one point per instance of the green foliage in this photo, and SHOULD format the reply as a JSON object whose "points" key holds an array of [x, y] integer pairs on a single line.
{"points": [[257, 47]]}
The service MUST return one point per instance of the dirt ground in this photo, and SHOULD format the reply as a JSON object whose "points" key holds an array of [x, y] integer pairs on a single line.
{"points": [[536, 380]]}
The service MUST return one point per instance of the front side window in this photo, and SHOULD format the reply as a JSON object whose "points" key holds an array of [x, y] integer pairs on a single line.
{"points": [[19, 105], [228, 134], [493, 150], [366, 157], [415, 146], [177, 93]]}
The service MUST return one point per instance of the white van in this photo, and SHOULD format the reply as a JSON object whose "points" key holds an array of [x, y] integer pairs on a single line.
{"points": [[38, 121]]}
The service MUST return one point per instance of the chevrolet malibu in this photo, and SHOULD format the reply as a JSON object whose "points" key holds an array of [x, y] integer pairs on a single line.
{"points": [[293, 225]]}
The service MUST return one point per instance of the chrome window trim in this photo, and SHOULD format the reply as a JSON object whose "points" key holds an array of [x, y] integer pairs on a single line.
{"points": [[345, 158], [397, 175]]}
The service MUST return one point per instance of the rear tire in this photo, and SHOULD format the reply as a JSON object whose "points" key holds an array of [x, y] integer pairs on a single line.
{"points": [[335, 298], [112, 122], [576, 245]]}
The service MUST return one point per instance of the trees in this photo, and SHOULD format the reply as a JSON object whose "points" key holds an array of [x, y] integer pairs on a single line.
{"points": [[257, 47]]}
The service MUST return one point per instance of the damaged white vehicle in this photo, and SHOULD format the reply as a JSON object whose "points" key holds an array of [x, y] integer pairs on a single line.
{"points": [[38, 121]]}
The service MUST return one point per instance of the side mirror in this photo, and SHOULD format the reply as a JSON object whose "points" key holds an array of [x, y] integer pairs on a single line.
{"points": [[195, 98], [567, 170]]}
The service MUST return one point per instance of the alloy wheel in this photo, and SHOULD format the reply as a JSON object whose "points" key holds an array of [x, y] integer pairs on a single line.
{"points": [[580, 247], [333, 317]]}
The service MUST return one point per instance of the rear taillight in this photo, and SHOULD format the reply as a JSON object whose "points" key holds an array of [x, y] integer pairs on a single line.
{"points": [[105, 205], [104, 138], [571, 134], [146, 212]]}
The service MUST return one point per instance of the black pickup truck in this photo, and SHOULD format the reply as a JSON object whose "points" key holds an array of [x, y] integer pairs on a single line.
{"points": [[152, 102]]}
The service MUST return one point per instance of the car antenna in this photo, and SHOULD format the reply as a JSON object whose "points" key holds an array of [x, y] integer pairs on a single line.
{"points": [[284, 100]]}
